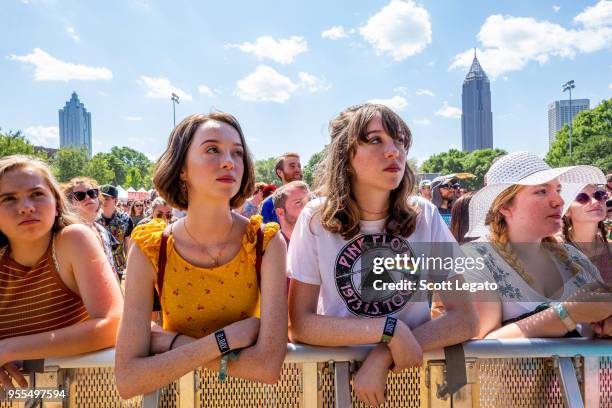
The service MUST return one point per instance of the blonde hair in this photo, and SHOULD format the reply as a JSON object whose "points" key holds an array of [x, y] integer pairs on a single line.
{"points": [[65, 216], [339, 211], [498, 236]]}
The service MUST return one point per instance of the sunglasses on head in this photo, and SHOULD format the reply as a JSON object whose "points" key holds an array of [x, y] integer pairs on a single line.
{"points": [[599, 195], [81, 195]]}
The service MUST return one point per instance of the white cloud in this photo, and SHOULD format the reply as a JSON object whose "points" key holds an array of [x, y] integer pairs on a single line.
{"points": [[72, 33], [312, 83], [203, 89], [43, 135], [268, 85], [610, 85], [401, 89], [49, 68], [556, 8], [422, 122], [448, 112], [161, 88], [132, 118], [282, 50], [422, 91], [510, 43], [265, 85], [400, 29], [431, 64], [397, 103], [597, 15], [335, 33]]}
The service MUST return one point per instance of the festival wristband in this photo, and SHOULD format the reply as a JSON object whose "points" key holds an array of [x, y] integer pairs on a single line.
{"points": [[388, 330], [222, 342], [231, 356], [561, 311]]}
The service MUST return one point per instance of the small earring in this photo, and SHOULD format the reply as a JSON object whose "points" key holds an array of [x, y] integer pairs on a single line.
{"points": [[183, 187]]}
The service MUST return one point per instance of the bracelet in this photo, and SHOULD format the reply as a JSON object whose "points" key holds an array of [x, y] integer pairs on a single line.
{"points": [[388, 330], [566, 319], [231, 356], [222, 342], [173, 340]]}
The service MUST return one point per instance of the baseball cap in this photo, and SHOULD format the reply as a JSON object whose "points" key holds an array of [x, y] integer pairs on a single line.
{"points": [[424, 183], [109, 190]]}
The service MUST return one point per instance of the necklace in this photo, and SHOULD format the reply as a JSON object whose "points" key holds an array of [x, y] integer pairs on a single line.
{"points": [[215, 259], [373, 212]]}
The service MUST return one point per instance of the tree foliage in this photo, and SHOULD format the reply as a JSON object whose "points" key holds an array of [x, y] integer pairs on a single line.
{"points": [[457, 161], [591, 140], [100, 169], [15, 143], [264, 171], [69, 162], [311, 166]]}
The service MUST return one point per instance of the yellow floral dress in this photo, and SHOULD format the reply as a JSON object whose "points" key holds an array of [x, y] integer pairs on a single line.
{"points": [[198, 301]]}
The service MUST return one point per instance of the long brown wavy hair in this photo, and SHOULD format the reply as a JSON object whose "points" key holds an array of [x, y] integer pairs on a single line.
{"points": [[339, 211], [65, 216], [498, 236]]}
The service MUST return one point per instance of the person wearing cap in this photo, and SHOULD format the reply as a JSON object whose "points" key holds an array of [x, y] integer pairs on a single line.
{"points": [[119, 224], [543, 286], [443, 195], [425, 189]]}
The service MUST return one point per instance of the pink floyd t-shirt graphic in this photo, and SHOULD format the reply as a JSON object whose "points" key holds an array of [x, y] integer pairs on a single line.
{"points": [[349, 282]]}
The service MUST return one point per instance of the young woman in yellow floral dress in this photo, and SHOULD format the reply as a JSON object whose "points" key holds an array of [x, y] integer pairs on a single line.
{"points": [[218, 274]]}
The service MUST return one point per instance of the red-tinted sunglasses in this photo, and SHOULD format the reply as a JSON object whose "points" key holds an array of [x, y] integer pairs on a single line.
{"points": [[599, 195]]}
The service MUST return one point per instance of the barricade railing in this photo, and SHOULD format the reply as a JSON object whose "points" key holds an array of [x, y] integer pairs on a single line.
{"points": [[499, 373]]}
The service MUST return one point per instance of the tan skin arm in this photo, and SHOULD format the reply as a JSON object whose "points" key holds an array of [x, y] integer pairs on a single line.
{"points": [[85, 270], [261, 362]]}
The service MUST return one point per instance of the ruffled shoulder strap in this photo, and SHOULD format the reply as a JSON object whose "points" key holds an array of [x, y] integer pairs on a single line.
{"points": [[148, 238], [249, 240]]}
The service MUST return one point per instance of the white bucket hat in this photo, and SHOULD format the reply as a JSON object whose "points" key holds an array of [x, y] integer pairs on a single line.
{"points": [[526, 169]]}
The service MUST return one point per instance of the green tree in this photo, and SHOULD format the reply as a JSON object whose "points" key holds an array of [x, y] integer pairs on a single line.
{"points": [[264, 171], [134, 178], [456, 161], [591, 140], [132, 158], [69, 162], [15, 143], [311, 166], [99, 168]]}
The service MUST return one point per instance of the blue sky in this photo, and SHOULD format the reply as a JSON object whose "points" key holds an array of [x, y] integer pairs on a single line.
{"points": [[286, 68]]}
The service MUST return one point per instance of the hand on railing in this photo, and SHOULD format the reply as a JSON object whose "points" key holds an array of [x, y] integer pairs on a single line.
{"points": [[370, 381], [603, 328], [405, 349], [591, 303]]}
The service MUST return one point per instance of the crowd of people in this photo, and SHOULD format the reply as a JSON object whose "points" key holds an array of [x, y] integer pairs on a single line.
{"points": [[219, 270]]}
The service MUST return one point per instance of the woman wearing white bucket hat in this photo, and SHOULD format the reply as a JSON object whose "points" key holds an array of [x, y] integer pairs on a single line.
{"points": [[516, 216]]}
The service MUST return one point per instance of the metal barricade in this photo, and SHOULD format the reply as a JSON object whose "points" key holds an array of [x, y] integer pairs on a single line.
{"points": [[500, 373]]}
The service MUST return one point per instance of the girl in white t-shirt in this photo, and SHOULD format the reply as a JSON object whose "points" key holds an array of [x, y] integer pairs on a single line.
{"points": [[544, 288], [366, 206]]}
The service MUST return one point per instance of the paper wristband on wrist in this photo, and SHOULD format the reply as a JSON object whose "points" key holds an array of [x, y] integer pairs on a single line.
{"points": [[222, 342], [231, 356], [388, 330]]}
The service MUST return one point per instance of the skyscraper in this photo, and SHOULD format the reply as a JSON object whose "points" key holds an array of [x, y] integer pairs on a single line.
{"points": [[75, 125], [559, 113], [476, 118]]}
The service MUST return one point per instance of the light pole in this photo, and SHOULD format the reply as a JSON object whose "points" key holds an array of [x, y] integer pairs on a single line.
{"points": [[568, 86], [175, 99]]}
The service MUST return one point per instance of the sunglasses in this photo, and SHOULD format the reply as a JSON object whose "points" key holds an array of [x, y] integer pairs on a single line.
{"points": [[138, 206], [81, 195], [453, 186], [599, 195], [162, 215]]}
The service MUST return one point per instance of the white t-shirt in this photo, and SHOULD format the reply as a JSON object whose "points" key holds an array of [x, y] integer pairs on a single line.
{"points": [[517, 296], [319, 257]]}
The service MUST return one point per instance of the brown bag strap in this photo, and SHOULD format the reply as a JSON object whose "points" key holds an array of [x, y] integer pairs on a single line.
{"points": [[161, 260], [258, 256]]}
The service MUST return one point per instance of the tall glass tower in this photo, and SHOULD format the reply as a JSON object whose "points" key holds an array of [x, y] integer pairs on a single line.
{"points": [[75, 125], [476, 118]]}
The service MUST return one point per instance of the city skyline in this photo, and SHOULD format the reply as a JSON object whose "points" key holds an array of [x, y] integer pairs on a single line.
{"points": [[286, 70], [560, 113], [476, 116]]}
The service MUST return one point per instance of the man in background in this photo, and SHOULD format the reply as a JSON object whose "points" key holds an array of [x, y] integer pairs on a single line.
{"points": [[288, 168]]}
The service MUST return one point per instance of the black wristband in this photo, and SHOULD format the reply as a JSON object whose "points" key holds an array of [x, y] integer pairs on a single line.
{"points": [[173, 340], [222, 342], [389, 329]]}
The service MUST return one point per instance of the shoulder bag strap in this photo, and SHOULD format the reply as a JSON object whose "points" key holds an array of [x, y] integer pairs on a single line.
{"points": [[259, 255], [161, 260]]}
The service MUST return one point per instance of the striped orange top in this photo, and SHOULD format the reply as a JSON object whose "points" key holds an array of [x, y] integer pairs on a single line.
{"points": [[35, 299]]}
